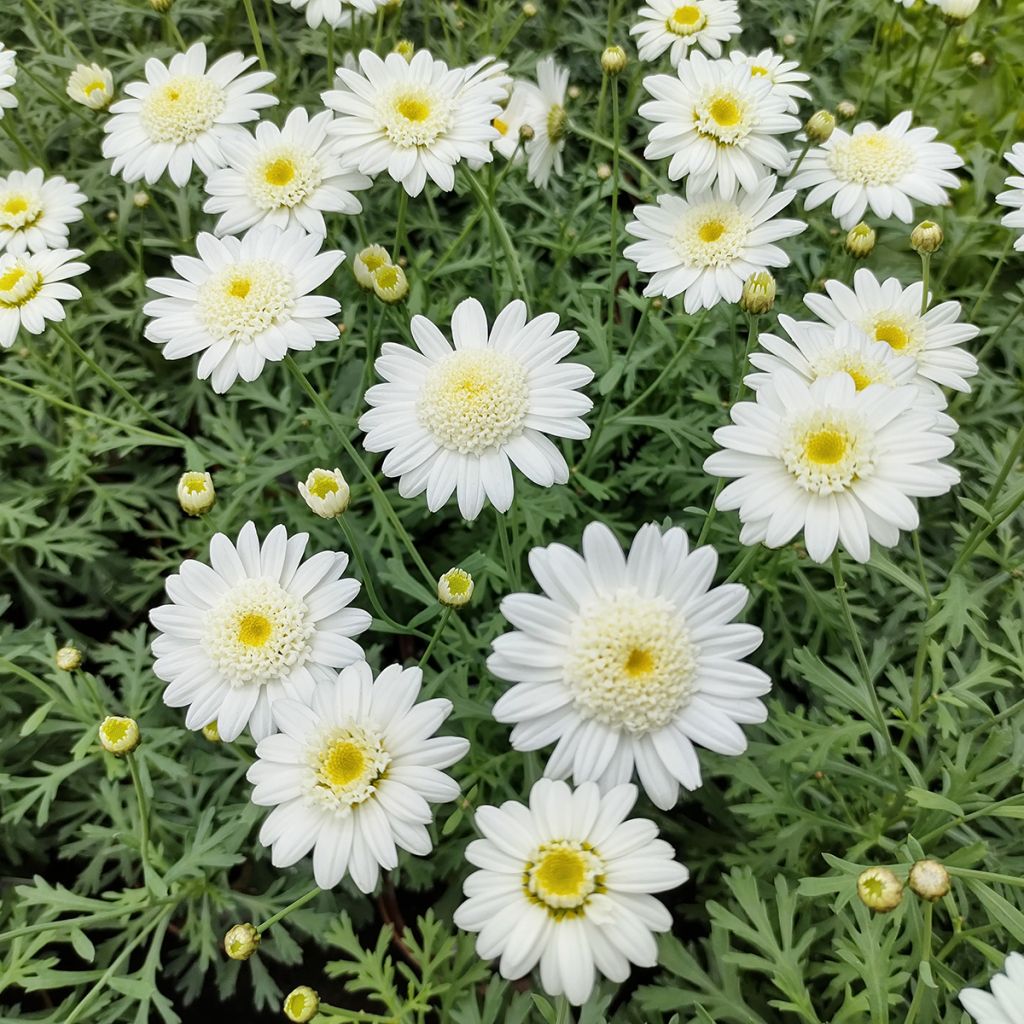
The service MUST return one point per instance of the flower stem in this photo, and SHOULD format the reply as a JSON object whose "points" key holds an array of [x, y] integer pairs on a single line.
{"points": [[254, 28], [511, 569], [922, 88], [140, 798], [613, 248], [499, 226], [294, 905], [442, 622], [926, 273], [403, 204]]}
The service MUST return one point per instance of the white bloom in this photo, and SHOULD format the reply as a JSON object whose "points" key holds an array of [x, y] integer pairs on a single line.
{"points": [[413, 118], [91, 85], [524, 107], [8, 76], [457, 419], [567, 882], [337, 13], [1014, 196], [956, 10], [783, 74], [35, 212], [32, 288], [628, 661], [352, 774], [182, 113], [676, 25], [885, 168], [545, 114], [718, 123], [284, 176], [886, 311], [907, 3], [706, 245], [1003, 1005], [840, 464], [326, 492], [367, 262], [256, 625], [244, 302]]}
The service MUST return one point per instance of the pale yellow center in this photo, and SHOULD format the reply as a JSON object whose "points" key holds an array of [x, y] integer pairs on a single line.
{"points": [[11, 278], [254, 630], [16, 205], [758, 71], [892, 334], [324, 485], [502, 126], [689, 14], [412, 107], [860, 379], [279, 172], [115, 729], [825, 447], [711, 231], [725, 111], [91, 87], [640, 662], [561, 873], [343, 763]]}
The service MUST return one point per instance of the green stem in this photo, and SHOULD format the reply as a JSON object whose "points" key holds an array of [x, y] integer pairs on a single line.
{"points": [[499, 226], [926, 273], [511, 569], [442, 622], [294, 905], [403, 203], [992, 277], [638, 165], [8, 127], [923, 957], [172, 27], [800, 159], [613, 248], [920, 90], [254, 28], [140, 798]]}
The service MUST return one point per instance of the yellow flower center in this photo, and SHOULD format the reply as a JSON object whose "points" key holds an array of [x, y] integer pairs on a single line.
{"points": [[343, 763], [725, 111], [892, 334], [711, 231], [758, 71], [562, 875], [115, 729], [348, 766], [254, 630], [414, 114], [825, 447], [244, 300], [323, 485], [239, 287], [686, 20], [386, 276], [11, 278], [181, 109], [19, 284], [827, 451], [413, 107], [639, 662], [279, 172], [374, 260], [871, 158], [91, 87], [502, 126], [16, 204]]}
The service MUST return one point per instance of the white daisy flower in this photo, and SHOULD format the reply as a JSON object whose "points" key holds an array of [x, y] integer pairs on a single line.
{"points": [[783, 74], [33, 288], [352, 774], [413, 118], [956, 11], [1003, 1004], [283, 176], [1014, 195], [91, 85], [628, 661], [841, 465], [458, 418], [256, 625], [524, 107], [337, 13], [244, 302], [567, 882], [886, 311], [35, 211], [8, 76], [676, 25], [886, 168], [546, 115], [182, 113], [707, 245]]}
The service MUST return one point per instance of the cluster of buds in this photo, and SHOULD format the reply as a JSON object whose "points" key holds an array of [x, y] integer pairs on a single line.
{"points": [[326, 492], [881, 890], [375, 272]]}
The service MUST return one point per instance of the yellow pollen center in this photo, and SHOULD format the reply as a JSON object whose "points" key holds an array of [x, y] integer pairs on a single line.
{"points": [[891, 333], [254, 630], [711, 231], [16, 204], [195, 486], [11, 278], [323, 486], [860, 379], [825, 447], [640, 662], [115, 729], [94, 85], [502, 126], [239, 287], [373, 261], [756, 70], [725, 111], [343, 763], [412, 108], [689, 14], [280, 172], [561, 873], [458, 585]]}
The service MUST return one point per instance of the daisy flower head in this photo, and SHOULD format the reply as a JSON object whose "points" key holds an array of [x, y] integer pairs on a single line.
{"points": [[337, 13], [840, 464], [524, 107], [784, 75], [183, 113], [413, 118], [717, 122], [91, 85], [550, 123], [455, 417], [256, 625], [283, 176], [706, 245], [35, 211], [8, 76], [886, 311], [887, 169], [567, 882], [676, 25], [628, 661], [33, 287], [352, 773], [1001, 1005], [1013, 197], [244, 302]]}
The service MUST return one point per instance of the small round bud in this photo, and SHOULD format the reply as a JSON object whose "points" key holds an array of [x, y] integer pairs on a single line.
{"points": [[406, 47], [657, 303], [390, 283], [977, 59], [820, 126], [161, 6], [68, 658], [526, 132], [112, 216], [613, 60], [574, 92], [366, 261], [326, 492], [91, 85], [860, 240], [302, 1004], [241, 941], [789, 39], [846, 109], [529, 10], [758, 294], [119, 735], [879, 889], [455, 588], [195, 493], [926, 238], [604, 172], [140, 200], [929, 879]]}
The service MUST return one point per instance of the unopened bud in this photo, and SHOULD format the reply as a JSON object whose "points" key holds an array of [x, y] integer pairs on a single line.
{"points": [[977, 59], [789, 39], [241, 941], [161, 6], [390, 283], [67, 659], [326, 492], [573, 92], [455, 588], [529, 10], [758, 294], [406, 47], [613, 60], [119, 735], [879, 889], [140, 200], [91, 85], [212, 732], [957, 11], [366, 261], [929, 879], [846, 109], [604, 172], [926, 238], [526, 132], [860, 240], [302, 1004], [820, 126], [195, 493]]}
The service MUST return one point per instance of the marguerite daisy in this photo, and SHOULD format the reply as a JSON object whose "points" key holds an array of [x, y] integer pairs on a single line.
{"points": [[676, 25], [628, 662], [718, 123], [284, 176], [567, 882], [244, 302], [783, 74], [885, 168], [32, 288], [352, 774], [91, 85], [337, 13], [1003, 1004], [547, 117], [413, 118], [182, 113], [839, 464], [8, 76], [1014, 195], [35, 211], [523, 108], [706, 245], [256, 625], [458, 418]]}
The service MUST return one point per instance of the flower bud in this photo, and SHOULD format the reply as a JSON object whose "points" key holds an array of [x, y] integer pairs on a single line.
{"points": [[529, 10], [820, 126], [758, 293], [929, 879], [161, 6], [977, 59], [604, 172], [140, 200], [846, 109], [573, 92], [367, 261], [241, 941], [860, 240], [195, 493], [91, 85], [789, 39], [406, 47], [926, 238], [526, 132], [893, 32], [301, 1004], [212, 732], [390, 283], [119, 735], [613, 60], [326, 492], [455, 588], [879, 889], [68, 658]]}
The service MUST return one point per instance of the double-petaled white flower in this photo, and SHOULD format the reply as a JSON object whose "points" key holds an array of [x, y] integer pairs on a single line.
{"points": [[337, 13], [784, 75], [35, 211], [91, 85], [1003, 1004], [676, 25], [8, 76], [33, 287]]}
